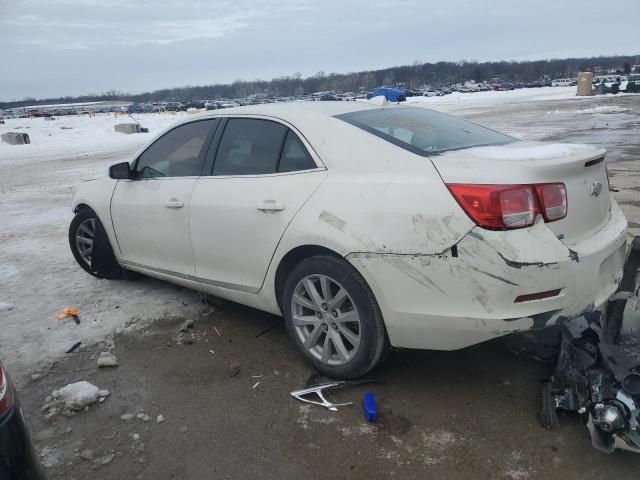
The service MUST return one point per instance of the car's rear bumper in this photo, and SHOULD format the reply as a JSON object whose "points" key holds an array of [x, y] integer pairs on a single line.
{"points": [[17, 458], [447, 302]]}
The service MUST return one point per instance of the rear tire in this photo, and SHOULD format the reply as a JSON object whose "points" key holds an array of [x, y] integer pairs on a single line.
{"points": [[82, 234], [333, 318]]}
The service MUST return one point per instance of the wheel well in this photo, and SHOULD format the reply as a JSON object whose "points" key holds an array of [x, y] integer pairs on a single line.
{"points": [[80, 207], [293, 258]]}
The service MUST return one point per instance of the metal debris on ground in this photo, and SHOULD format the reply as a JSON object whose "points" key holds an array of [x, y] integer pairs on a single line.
{"points": [[234, 369], [74, 347], [267, 330], [598, 370], [187, 325], [319, 390]]}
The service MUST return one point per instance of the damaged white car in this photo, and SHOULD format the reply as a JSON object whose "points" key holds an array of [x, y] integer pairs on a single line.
{"points": [[365, 226]]}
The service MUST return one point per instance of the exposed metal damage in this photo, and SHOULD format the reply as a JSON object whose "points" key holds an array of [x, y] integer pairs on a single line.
{"points": [[597, 373]]}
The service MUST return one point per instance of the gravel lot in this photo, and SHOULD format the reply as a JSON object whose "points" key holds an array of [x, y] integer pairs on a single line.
{"points": [[465, 414]]}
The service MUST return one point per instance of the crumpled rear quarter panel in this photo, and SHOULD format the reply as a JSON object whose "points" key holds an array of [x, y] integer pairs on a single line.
{"points": [[444, 302]]}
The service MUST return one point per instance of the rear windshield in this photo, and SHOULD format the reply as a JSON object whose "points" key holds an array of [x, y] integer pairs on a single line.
{"points": [[423, 131]]}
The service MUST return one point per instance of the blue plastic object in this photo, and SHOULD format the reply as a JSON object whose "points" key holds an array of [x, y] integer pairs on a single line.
{"points": [[391, 94], [370, 408]]}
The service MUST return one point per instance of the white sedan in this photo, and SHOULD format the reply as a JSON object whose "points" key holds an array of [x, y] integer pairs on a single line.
{"points": [[365, 226]]}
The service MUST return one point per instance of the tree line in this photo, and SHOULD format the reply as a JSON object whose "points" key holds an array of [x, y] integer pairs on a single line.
{"points": [[409, 76]]}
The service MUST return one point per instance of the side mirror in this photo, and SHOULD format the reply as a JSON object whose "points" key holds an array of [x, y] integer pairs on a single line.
{"points": [[120, 171]]}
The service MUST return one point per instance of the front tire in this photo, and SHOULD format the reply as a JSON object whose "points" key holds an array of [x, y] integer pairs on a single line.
{"points": [[333, 317], [86, 235]]}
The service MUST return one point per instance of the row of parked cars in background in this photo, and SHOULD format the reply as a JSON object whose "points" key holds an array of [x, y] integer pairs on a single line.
{"points": [[177, 106]]}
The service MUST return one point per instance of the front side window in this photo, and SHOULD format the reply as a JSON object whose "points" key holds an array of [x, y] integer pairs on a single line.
{"points": [[423, 131], [249, 147], [178, 153]]}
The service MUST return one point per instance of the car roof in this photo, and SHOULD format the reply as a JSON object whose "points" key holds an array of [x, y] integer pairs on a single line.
{"points": [[288, 109]]}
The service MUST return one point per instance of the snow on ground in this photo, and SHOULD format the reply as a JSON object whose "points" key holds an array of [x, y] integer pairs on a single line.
{"points": [[495, 97], [38, 275], [465, 103], [78, 135]]}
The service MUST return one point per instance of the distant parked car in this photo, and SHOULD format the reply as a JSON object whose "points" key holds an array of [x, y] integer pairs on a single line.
{"points": [[17, 457], [501, 85], [633, 84], [136, 108], [195, 104], [563, 82], [432, 93], [534, 84], [175, 107]]}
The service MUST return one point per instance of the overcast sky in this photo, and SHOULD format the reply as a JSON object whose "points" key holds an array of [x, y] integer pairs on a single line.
{"points": [[73, 47]]}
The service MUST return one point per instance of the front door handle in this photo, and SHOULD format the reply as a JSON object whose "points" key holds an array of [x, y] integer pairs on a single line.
{"points": [[270, 206], [173, 203]]}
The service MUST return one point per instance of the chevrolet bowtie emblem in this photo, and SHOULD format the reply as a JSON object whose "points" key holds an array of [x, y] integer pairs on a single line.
{"points": [[596, 189]]}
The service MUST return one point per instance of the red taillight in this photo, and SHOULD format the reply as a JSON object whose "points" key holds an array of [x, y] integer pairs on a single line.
{"points": [[6, 395], [553, 201], [502, 207]]}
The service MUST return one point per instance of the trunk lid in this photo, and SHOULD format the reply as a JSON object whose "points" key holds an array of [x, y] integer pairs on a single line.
{"points": [[580, 167]]}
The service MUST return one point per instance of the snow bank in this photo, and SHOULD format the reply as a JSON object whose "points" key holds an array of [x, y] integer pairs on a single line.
{"points": [[495, 97], [79, 135]]}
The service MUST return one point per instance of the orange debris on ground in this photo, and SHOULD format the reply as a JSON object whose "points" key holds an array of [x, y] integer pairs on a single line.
{"points": [[67, 312]]}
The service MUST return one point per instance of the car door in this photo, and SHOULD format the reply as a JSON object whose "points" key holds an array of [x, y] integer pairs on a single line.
{"points": [[150, 212], [262, 174]]}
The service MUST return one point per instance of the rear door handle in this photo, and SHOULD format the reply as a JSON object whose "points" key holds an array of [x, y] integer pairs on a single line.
{"points": [[270, 206], [173, 203]]}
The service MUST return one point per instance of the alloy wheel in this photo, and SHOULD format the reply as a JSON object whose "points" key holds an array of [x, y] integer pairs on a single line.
{"points": [[85, 234], [325, 319]]}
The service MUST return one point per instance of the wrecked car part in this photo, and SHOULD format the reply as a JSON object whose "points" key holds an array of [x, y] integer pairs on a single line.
{"points": [[598, 371], [628, 286], [74, 347], [590, 379], [609, 417], [319, 390], [631, 384]]}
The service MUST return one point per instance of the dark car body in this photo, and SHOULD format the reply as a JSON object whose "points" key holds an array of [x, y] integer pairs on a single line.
{"points": [[17, 457]]}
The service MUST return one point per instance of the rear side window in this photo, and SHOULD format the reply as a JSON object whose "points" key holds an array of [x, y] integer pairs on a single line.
{"points": [[294, 156], [178, 153], [249, 147], [423, 131]]}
